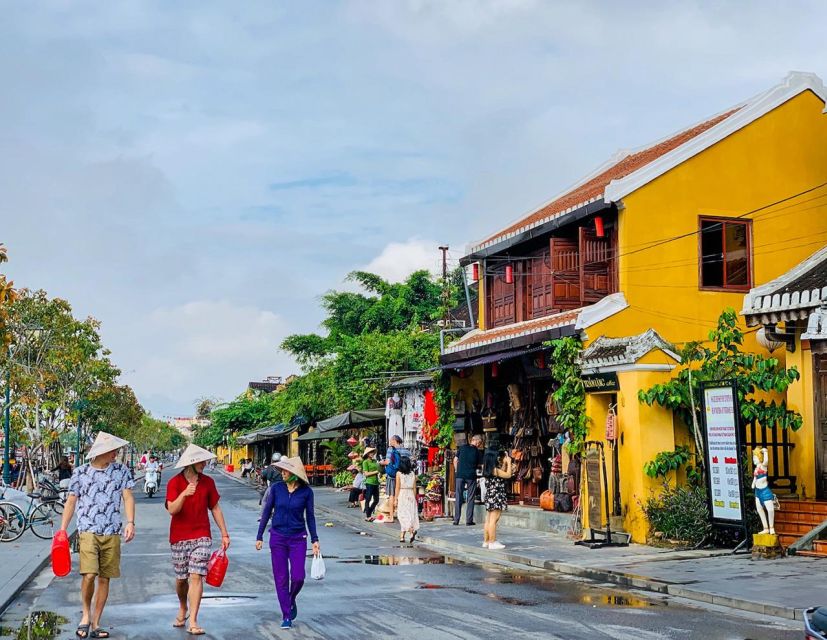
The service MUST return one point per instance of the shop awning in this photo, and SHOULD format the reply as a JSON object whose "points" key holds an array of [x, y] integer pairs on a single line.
{"points": [[412, 381], [493, 357], [320, 435], [267, 433], [352, 420]]}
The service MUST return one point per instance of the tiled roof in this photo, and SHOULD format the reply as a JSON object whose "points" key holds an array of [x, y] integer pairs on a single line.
{"points": [[791, 296], [629, 171], [610, 352], [592, 189], [477, 337]]}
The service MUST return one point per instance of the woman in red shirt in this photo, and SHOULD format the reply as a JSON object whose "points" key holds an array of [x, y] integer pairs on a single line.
{"points": [[191, 496]]}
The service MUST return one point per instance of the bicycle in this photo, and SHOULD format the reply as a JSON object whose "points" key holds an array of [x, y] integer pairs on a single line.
{"points": [[39, 517], [52, 494]]}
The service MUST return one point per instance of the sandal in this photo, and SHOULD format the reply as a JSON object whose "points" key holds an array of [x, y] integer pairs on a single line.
{"points": [[179, 622], [402, 538], [99, 633], [83, 630], [196, 631], [413, 536]]}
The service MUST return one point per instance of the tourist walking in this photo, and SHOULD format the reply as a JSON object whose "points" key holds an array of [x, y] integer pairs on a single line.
{"points": [[191, 497], [391, 464], [97, 490], [271, 475], [291, 505], [466, 463], [370, 469], [496, 469], [407, 510]]}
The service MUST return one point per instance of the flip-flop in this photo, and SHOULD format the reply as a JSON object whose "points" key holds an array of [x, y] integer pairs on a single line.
{"points": [[196, 631], [99, 633], [83, 630], [180, 622]]}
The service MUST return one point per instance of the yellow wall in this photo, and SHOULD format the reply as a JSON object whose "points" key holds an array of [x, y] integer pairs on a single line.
{"points": [[233, 456]]}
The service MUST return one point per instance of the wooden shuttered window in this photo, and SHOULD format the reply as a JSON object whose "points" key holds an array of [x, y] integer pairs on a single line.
{"points": [[565, 274], [502, 307], [597, 271]]}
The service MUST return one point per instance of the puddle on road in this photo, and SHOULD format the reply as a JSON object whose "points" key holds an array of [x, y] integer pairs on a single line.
{"points": [[43, 625], [394, 560], [517, 602]]}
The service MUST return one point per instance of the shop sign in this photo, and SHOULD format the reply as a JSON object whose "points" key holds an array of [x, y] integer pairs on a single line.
{"points": [[601, 382], [723, 446]]}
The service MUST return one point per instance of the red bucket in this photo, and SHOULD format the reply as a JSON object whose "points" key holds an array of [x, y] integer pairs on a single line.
{"points": [[61, 559], [230, 468], [217, 568]]}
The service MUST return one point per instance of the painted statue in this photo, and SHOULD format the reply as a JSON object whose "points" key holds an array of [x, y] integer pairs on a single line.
{"points": [[764, 498]]}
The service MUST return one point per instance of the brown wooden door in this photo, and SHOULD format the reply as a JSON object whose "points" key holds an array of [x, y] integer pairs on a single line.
{"points": [[820, 365], [596, 279], [502, 303], [565, 273], [541, 286]]}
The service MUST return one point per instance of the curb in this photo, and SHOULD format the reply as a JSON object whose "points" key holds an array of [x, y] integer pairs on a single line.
{"points": [[619, 578]]}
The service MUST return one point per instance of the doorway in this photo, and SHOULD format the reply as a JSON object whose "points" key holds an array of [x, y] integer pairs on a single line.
{"points": [[820, 435]]}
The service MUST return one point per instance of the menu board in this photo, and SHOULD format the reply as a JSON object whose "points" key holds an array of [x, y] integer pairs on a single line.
{"points": [[722, 461]]}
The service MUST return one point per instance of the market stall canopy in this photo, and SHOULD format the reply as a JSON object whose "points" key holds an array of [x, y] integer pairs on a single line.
{"points": [[412, 381], [267, 433], [352, 420], [320, 435]]}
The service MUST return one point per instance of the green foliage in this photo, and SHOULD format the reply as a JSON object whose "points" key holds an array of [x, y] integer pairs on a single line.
{"points": [[679, 513], [343, 479], [443, 398], [667, 461], [570, 396], [337, 455], [156, 435], [725, 361]]}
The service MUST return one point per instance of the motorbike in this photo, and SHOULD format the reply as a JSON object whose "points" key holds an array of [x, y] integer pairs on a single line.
{"points": [[151, 483], [815, 623]]}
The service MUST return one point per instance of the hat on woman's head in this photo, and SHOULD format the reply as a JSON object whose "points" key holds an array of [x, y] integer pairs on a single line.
{"points": [[294, 466], [370, 450], [104, 443], [193, 454]]}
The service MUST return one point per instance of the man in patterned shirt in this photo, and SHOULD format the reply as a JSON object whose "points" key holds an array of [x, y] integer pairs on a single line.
{"points": [[97, 490]]}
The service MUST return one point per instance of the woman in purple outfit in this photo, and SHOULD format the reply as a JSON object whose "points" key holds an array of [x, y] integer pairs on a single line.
{"points": [[290, 504]]}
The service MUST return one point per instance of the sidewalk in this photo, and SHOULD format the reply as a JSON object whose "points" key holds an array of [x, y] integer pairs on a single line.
{"points": [[780, 588]]}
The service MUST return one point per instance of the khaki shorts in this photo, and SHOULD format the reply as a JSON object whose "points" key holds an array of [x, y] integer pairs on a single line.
{"points": [[100, 555]]}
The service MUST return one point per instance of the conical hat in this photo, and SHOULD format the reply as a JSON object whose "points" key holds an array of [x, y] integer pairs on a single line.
{"points": [[294, 466], [104, 443], [193, 454]]}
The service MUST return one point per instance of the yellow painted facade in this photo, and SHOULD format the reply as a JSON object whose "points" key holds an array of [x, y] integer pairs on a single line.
{"points": [[775, 158]]}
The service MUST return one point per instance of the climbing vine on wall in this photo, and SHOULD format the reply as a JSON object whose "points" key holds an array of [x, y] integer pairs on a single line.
{"points": [[570, 396], [443, 400]]}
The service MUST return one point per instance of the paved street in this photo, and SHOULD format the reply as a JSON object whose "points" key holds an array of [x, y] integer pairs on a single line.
{"points": [[375, 588]]}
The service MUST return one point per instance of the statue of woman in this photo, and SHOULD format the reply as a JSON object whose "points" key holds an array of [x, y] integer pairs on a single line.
{"points": [[764, 498]]}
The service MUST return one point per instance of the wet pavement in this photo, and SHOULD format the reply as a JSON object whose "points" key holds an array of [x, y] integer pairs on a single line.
{"points": [[376, 588]]}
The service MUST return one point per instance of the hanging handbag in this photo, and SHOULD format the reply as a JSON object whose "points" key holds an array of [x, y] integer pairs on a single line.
{"points": [[535, 451], [537, 475]]}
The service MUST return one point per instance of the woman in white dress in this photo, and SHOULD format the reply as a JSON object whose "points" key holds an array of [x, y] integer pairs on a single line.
{"points": [[406, 508]]}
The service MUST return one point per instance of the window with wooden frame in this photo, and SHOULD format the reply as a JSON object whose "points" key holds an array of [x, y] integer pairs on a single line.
{"points": [[725, 254]]}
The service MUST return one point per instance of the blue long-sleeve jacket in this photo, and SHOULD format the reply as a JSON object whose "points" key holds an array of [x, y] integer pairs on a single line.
{"points": [[289, 511]]}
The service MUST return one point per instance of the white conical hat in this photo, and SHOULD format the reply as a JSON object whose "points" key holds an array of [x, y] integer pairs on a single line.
{"points": [[104, 443], [193, 454], [294, 466]]}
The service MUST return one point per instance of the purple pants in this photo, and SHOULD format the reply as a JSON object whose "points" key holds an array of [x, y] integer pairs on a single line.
{"points": [[289, 579]]}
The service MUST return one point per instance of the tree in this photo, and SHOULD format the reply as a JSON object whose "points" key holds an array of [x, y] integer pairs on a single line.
{"points": [[204, 406], [724, 360]]}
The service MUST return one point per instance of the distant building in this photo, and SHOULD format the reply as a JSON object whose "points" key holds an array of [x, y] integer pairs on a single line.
{"points": [[270, 384], [185, 425]]}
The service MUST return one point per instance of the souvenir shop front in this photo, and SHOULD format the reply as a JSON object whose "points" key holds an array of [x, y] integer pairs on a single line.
{"points": [[411, 413], [507, 398]]}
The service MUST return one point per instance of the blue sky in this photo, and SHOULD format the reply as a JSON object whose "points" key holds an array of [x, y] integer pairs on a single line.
{"points": [[197, 174]]}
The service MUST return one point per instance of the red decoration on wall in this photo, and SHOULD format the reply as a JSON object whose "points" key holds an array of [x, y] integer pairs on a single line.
{"points": [[540, 360], [598, 227], [509, 274], [611, 426], [495, 369], [475, 271], [430, 415]]}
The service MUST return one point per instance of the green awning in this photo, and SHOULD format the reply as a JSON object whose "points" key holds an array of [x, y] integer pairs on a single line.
{"points": [[267, 433], [320, 435], [352, 420]]}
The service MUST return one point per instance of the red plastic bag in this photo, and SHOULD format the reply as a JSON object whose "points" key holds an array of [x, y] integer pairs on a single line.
{"points": [[61, 559], [217, 568]]}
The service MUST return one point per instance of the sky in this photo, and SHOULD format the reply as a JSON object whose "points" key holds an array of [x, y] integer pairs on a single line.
{"points": [[196, 174]]}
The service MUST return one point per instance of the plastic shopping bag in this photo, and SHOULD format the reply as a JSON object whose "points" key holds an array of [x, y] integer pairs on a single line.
{"points": [[217, 568], [317, 569]]}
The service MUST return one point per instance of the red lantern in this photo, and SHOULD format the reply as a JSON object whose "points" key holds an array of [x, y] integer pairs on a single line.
{"points": [[475, 271], [540, 360], [509, 274], [495, 369], [598, 227], [352, 441]]}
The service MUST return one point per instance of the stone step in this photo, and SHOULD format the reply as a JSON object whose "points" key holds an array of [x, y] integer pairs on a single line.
{"points": [[786, 517], [805, 506], [792, 528], [811, 554]]}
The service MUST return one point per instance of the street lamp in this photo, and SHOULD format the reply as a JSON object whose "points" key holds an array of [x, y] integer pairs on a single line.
{"points": [[7, 429]]}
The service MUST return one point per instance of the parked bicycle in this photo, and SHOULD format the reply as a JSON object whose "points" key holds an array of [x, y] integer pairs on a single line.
{"points": [[52, 494], [40, 517]]}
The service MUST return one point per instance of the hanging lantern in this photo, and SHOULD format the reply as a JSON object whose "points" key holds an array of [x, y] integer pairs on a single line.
{"points": [[509, 274], [540, 360], [495, 369], [598, 227], [352, 441], [475, 271]]}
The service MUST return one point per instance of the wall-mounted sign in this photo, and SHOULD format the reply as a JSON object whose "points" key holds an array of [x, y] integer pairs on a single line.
{"points": [[723, 457], [601, 382]]}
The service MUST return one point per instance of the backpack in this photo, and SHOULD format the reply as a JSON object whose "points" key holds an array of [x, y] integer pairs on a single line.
{"points": [[394, 460], [562, 502]]}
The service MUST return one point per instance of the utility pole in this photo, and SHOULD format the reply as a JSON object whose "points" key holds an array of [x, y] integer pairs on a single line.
{"points": [[445, 294], [7, 433]]}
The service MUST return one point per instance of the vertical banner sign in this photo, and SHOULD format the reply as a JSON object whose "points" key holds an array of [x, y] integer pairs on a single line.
{"points": [[723, 440]]}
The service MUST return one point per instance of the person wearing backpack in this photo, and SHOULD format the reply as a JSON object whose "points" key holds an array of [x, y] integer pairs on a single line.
{"points": [[391, 463]]}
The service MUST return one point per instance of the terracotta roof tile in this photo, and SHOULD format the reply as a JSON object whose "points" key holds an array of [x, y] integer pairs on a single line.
{"points": [[593, 188], [476, 338]]}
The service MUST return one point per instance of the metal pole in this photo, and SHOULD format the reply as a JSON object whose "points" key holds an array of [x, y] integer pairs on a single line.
{"points": [[468, 300], [7, 433], [77, 452]]}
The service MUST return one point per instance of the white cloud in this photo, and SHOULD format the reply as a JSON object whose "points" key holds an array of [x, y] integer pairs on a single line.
{"points": [[399, 259], [203, 348]]}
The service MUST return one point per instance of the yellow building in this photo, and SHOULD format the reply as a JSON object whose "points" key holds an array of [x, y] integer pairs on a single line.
{"points": [[638, 258]]}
